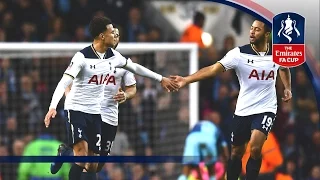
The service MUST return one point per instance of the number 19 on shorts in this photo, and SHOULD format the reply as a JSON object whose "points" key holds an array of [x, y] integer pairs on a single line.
{"points": [[267, 123]]}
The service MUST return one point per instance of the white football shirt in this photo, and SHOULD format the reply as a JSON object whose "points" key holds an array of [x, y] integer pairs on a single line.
{"points": [[109, 107], [257, 75], [90, 71]]}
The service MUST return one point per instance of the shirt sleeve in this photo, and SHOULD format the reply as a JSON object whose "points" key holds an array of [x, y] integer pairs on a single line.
{"points": [[230, 60], [129, 78], [59, 91], [121, 60], [75, 66], [142, 71]]}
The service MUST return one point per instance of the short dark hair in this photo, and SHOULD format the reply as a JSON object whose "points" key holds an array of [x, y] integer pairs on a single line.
{"points": [[199, 16], [98, 25], [267, 28]]}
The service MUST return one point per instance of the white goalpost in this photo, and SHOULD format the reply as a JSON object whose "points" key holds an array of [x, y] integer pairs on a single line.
{"points": [[29, 50]]}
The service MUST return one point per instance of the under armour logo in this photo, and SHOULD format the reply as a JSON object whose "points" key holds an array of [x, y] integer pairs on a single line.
{"points": [[80, 131], [250, 61], [92, 66]]}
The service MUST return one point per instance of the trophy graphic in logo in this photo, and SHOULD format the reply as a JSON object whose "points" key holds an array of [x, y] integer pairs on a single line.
{"points": [[288, 47], [290, 26]]}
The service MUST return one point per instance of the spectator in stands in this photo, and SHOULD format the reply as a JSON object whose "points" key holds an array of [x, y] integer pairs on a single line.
{"points": [[7, 73], [228, 44], [106, 172], [4, 167], [9, 25], [117, 174], [285, 120], [155, 34], [58, 31], [304, 95], [134, 26], [315, 173], [80, 35], [2, 35], [7, 107], [28, 32], [194, 32], [16, 149], [287, 171], [139, 173], [11, 132], [290, 146], [168, 171], [312, 151], [30, 112]]}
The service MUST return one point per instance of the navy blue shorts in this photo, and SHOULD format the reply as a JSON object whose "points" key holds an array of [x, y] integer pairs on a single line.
{"points": [[241, 126], [84, 126], [108, 134]]}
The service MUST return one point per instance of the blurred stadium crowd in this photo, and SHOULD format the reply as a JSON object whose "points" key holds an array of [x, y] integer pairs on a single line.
{"points": [[154, 122]]}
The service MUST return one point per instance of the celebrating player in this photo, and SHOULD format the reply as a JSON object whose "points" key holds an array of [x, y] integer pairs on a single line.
{"points": [[109, 111], [89, 71], [257, 101]]}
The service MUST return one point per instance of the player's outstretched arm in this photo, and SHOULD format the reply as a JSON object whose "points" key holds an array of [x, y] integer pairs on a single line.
{"points": [[285, 76], [166, 83], [65, 81], [204, 73]]}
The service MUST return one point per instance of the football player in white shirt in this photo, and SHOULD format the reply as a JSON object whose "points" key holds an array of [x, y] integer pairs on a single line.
{"points": [[113, 96], [89, 71], [257, 100]]}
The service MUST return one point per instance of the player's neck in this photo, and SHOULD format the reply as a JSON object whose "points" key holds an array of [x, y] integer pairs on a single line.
{"points": [[262, 47], [99, 46]]}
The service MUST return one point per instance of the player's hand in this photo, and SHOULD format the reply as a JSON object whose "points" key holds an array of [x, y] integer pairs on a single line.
{"points": [[169, 84], [287, 95], [181, 81], [51, 114], [121, 96]]}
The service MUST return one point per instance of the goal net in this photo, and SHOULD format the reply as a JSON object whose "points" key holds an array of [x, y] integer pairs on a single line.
{"points": [[154, 122]]}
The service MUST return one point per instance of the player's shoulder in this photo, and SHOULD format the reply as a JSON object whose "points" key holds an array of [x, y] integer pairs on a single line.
{"points": [[235, 51], [248, 49], [88, 52], [116, 53]]}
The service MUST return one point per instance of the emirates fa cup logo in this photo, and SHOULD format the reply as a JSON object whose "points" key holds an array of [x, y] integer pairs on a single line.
{"points": [[288, 35]]}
